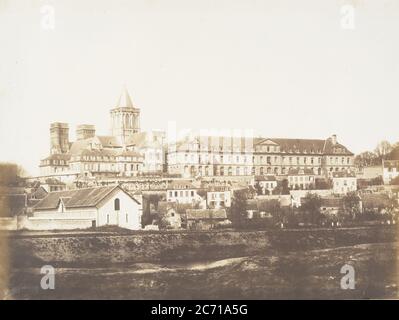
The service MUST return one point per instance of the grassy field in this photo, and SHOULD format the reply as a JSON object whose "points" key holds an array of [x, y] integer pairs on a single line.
{"points": [[309, 274]]}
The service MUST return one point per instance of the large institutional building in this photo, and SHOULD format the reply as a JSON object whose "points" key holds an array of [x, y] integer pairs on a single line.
{"points": [[129, 152], [229, 156]]}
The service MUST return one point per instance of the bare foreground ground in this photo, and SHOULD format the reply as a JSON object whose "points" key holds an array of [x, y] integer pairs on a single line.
{"points": [[312, 274]]}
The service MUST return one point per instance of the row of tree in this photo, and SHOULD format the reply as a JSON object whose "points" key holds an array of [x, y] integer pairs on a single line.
{"points": [[309, 212], [375, 157]]}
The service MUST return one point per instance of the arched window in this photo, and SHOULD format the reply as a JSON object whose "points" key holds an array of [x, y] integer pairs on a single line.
{"points": [[117, 204]]}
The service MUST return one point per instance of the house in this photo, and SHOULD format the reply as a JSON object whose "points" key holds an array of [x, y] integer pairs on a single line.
{"points": [[390, 166], [390, 170], [205, 219], [84, 208], [298, 195], [53, 184], [169, 215], [301, 179], [182, 191], [251, 208], [331, 205], [376, 202], [218, 197], [266, 183], [344, 182]]}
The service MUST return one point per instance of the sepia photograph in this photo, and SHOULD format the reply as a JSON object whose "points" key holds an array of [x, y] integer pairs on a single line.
{"points": [[199, 150]]}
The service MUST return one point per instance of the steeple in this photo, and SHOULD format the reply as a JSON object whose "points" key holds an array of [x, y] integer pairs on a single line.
{"points": [[124, 100], [125, 117]]}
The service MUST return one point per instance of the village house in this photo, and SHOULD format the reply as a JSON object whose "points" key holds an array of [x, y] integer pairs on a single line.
{"points": [[377, 203], [218, 197], [182, 191], [331, 205], [301, 179], [205, 219], [344, 182], [390, 170], [390, 166], [84, 208], [53, 184], [266, 183], [169, 216]]}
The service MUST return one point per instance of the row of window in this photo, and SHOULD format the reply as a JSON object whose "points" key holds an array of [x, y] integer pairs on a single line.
{"points": [[106, 158], [193, 158], [181, 193]]}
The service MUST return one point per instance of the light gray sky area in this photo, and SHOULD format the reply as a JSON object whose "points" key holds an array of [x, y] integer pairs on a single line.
{"points": [[282, 68]]}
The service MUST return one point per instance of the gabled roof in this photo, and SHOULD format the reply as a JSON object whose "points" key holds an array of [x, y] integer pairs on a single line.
{"points": [[200, 214], [143, 140], [78, 198], [79, 145], [343, 174], [335, 149], [299, 145], [58, 156], [302, 146], [181, 185], [265, 178], [109, 141], [331, 202], [300, 172], [54, 181]]}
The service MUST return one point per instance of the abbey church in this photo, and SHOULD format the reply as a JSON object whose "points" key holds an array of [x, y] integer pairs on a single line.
{"points": [[126, 152]]}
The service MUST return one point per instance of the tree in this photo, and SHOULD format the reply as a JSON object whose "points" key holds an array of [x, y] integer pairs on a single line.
{"points": [[154, 199], [310, 207], [366, 159], [11, 173], [382, 149], [258, 188], [273, 207], [239, 206], [284, 186], [352, 204]]}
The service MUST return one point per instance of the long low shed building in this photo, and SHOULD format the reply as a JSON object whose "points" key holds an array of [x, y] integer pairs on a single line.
{"points": [[84, 208]]}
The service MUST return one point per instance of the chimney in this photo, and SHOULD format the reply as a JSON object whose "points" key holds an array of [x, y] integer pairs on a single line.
{"points": [[334, 139]]}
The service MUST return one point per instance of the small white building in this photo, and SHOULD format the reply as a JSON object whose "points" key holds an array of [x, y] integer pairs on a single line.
{"points": [[301, 179], [390, 170], [218, 197], [182, 191], [267, 183], [84, 208], [344, 183]]}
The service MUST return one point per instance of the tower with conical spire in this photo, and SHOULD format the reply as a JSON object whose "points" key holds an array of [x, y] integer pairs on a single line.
{"points": [[125, 117]]}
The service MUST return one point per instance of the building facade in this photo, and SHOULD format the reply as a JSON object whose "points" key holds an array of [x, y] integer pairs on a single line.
{"points": [[230, 156], [344, 183], [85, 208]]}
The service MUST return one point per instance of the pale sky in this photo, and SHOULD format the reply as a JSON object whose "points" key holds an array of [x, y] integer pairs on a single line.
{"points": [[282, 68]]}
